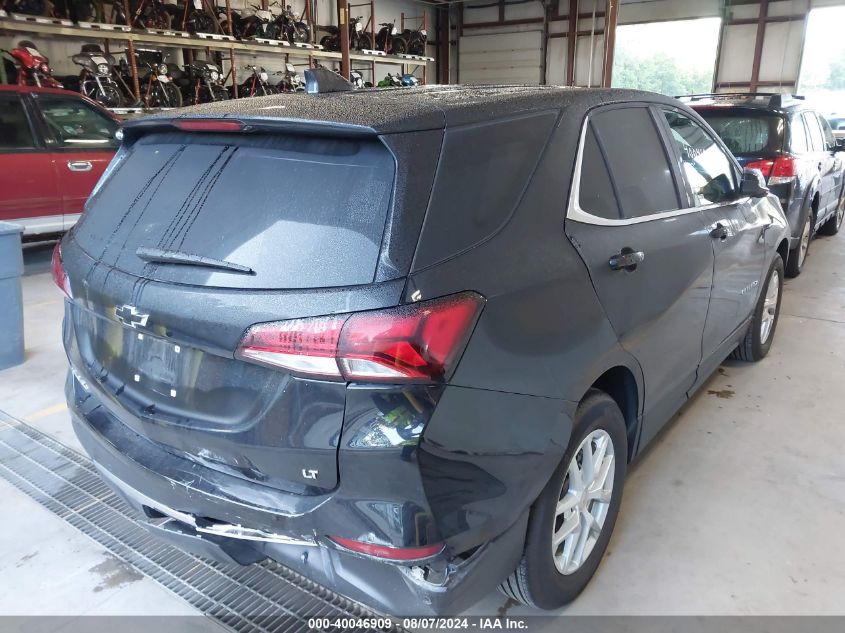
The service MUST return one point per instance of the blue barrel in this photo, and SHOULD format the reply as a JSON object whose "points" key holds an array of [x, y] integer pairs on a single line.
{"points": [[11, 299]]}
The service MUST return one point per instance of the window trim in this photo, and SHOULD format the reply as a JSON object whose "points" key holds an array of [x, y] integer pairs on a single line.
{"points": [[574, 211]]}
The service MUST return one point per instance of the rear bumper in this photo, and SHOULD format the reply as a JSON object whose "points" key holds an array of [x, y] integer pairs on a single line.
{"points": [[392, 589], [474, 498]]}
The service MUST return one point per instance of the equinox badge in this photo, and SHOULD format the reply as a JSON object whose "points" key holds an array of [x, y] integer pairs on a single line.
{"points": [[129, 315]]}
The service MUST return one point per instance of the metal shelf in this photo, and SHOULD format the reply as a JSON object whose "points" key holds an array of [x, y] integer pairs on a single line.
{"points": [[179, 39]]}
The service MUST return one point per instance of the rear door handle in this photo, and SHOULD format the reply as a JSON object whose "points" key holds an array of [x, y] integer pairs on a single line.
{"points": [[720, 232], [628, 259], [79, 165]]}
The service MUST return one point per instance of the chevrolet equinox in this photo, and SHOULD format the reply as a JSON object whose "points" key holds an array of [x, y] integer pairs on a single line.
{"points": [[406, 342]]}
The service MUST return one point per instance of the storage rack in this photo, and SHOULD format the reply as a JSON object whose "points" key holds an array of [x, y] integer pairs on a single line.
{"points": [[12, 24]]}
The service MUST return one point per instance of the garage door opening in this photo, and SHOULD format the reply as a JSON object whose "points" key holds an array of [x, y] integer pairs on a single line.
{"points": [[822, 78], [673, 58]]}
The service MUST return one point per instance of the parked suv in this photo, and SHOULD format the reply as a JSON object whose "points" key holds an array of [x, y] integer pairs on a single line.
{"points": [[795, 148], [406, 342], [54, 146]]}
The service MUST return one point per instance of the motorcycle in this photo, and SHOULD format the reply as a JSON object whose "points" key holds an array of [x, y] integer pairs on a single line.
{"points": [[27, 7], [202, 83], [408, 80], [150, 14], [96, 79], [256, 85], [199, 21], [75, 10], [415, 40], [358, 38], [291, 26], [291, 80], [389, 40], [33, 67], [390, 81], [158, 85], [261, 23]]}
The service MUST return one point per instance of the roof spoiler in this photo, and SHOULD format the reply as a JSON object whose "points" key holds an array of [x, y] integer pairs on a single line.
{"points": [[130, 131], [776, 99]]}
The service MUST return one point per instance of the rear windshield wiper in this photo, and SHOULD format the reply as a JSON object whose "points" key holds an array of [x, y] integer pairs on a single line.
{"points": [[161, 256]]}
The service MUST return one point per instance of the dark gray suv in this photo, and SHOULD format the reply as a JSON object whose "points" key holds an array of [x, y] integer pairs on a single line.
{"points": [[407, 341]]}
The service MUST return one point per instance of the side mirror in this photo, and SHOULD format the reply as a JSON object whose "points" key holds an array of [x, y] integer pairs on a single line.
{"points": [[753, 184]]}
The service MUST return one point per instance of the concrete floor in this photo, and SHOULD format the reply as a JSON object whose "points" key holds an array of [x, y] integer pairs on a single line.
{"points": [[738, 507]]}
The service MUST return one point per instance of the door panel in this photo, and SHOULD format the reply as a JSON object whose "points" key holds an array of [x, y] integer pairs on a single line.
{"points": [[834, 171], [734, 224], [30, 196], [77, 173], [823, 161], [81, 138], [657, 304]]}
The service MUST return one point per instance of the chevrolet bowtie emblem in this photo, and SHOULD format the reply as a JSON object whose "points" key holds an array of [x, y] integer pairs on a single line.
{"points": [[129, 315]]}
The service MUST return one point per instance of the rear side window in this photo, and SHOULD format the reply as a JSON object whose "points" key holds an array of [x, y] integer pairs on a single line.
{"points": [[798, 142], [595, 191], [483, 172], [301, 212], [15, 132], [816, 138], [707, 169], [637, 161], [746, 133]]}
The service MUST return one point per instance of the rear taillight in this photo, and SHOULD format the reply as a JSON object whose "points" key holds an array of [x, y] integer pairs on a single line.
{"points": [[764, 166], [387, 552], [416, 342], [58, 271], [783, 171]]}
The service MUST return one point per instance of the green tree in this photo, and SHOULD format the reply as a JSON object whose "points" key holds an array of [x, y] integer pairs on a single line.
{"points": [[836, 76], [658, 73]]}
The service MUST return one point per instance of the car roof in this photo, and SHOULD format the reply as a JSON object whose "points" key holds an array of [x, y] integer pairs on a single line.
{"points": [[36, 89], [389, 110], [770, 102]]}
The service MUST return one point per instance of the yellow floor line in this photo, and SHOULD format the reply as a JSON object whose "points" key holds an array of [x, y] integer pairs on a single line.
{"points": [[43, 413]]}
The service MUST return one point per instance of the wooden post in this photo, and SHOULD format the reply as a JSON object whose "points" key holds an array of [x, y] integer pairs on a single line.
{"points": [[232, 50], [758, 46], [611, 15], [343, 26], [571, 42], [133, 64]]}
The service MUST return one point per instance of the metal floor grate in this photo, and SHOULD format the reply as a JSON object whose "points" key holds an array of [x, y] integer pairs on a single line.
{"points": [[261, 597]]}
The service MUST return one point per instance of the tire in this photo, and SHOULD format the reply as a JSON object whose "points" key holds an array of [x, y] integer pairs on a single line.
{"points": [[220, 93], [365, 42], [110, 96], [327, 42], [755, 345], [173, 96], [798, 255], [537, 581], [834, 223], [398, 45]]}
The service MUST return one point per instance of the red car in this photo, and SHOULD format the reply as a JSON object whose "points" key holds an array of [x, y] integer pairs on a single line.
{"points": [[54, 146]]}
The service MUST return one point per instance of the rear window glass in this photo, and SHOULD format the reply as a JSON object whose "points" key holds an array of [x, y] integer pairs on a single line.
{"points": [[746, 133], [301, 212]]}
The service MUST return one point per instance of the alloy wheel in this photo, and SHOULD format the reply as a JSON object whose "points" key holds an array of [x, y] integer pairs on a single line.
{"points": [[805, 241], [770, 307], [584, 502]]}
